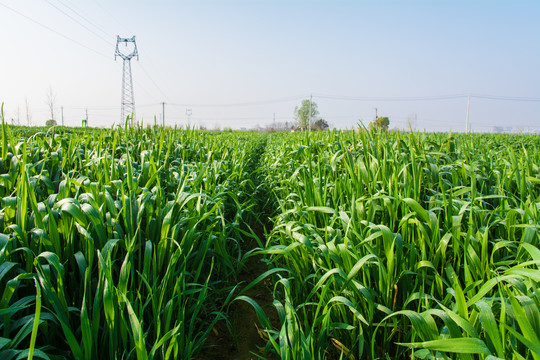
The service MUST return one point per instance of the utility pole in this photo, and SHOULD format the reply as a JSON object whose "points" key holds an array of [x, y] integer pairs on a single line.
{"points": [[468, 125], [376, 115], [309, 117], [62, 110], [163, 113]]}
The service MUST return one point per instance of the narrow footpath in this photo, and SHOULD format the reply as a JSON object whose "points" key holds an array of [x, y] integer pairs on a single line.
{"points": [[247, 340]]}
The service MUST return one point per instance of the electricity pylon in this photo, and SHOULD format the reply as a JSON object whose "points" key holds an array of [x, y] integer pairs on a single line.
{"points": [[128, 99]]}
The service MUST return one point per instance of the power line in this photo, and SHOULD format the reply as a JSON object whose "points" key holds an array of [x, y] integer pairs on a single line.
{"points": [[506, 98], [426, 98], [232, 118], [84, 18], [78, 22], [152, 80], [54, 31], [107, 41], [253, 103], [419, 98], [112, 17], [104, 108], [71, 39]]}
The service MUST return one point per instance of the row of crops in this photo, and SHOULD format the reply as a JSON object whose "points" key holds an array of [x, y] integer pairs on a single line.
{"points": [[121, 243], [129, 243], [390, 246]]}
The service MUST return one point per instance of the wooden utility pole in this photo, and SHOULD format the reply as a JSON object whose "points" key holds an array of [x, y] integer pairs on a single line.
{"points": [[309, 116], [163, 113], [468, 125]]}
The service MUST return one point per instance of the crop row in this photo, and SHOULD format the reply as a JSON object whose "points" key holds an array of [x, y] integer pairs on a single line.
{"points": [[404, 245], [128, 242], [120, 243]]}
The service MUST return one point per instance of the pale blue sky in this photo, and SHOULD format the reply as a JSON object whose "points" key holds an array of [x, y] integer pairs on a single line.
{"points": [[195, 54]]}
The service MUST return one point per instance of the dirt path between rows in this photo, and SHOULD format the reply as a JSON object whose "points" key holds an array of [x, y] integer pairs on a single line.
{"points": [[245, 342]]}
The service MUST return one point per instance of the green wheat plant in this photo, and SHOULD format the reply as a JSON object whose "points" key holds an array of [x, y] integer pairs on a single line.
{"points": [[405, 245], [120, 243]]}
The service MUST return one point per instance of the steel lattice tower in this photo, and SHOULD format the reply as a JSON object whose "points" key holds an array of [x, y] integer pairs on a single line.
{"points": [[128, 98]]}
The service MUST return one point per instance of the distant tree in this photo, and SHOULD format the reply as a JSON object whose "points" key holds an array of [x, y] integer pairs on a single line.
{"points": [[381, 123], [302, 114], [50, 122], [321, 124]]}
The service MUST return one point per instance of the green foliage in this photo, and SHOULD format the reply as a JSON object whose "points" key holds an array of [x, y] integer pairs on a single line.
{"points": [[121, 243], [381, 123], [320, 124], [50, 123], [393, 245], [128, 242], [302, 113]]}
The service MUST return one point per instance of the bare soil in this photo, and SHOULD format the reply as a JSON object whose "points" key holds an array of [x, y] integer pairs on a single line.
{"points": [[246, 340]]}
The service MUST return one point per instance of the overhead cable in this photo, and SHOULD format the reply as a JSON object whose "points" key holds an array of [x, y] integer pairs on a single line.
{"points": [[426, 98], [84, 18], [253, 103], [54, 31], [152, 80], [409, 98], [506, 98], [81, 24]]}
